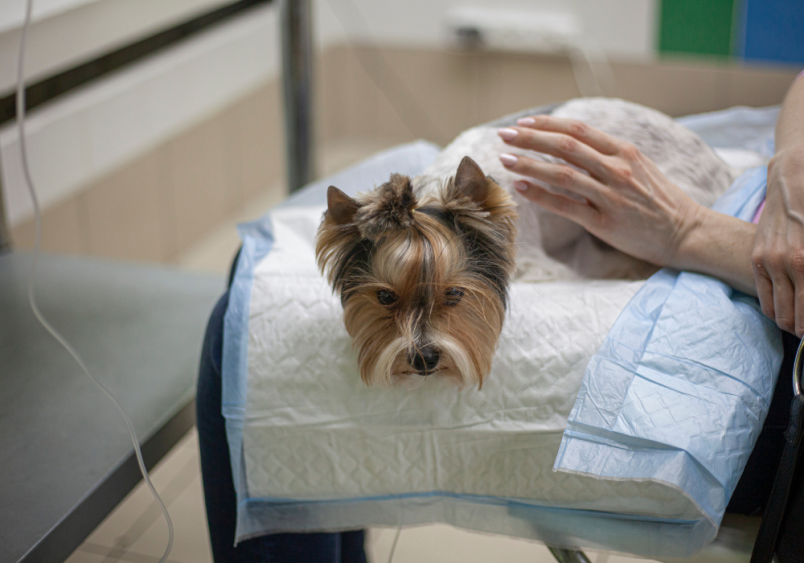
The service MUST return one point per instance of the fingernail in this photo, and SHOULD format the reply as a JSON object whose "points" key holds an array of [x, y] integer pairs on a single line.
{"points": [[507, 134], [521, 186], [526, 121], [508, 159]]}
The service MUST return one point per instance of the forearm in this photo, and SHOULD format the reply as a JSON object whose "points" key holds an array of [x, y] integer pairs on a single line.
{"points": [[720, 246], [787, 165], [779, 242], [790, 125]]}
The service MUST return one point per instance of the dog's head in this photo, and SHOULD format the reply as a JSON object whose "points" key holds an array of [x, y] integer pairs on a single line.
{"points": [[424, 284]]}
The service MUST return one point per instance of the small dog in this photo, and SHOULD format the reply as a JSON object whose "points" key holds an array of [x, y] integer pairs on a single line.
{"points": [[423, 265]]}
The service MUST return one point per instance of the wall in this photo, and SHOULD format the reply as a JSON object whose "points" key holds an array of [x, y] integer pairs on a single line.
{"points": [[140, 164], [159, 203], [625, 29], [84, 135], [67, 32], [763, 31], [445, 92]]}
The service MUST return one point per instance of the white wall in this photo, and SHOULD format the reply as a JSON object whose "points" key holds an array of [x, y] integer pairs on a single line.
{"points": [[625, 29], [12, 11]]}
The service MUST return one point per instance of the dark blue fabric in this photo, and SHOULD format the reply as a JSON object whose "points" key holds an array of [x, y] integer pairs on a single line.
{"points": [[754, 487], [219, 493]]}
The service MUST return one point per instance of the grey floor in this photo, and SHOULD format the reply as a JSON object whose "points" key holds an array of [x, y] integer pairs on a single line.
{"points": [[135, 532]]}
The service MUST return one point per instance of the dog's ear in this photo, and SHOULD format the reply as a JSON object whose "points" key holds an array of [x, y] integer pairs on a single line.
{"points": [[338, 247], [472, 194], [471, 182], [340, 207], [484, 214]]}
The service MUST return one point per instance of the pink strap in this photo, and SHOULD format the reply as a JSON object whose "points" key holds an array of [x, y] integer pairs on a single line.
{"points": [[758, 214]]}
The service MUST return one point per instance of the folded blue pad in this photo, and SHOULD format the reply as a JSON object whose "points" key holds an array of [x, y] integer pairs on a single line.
{"points": [[680, 388]]}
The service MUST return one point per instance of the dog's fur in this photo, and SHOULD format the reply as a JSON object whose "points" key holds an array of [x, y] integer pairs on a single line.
{"points": [[422, 277], [423, 265]]}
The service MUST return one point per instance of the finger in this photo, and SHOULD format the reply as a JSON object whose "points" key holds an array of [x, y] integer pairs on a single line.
{"points": [[799, 309], [556, 144], [795, 271], [798, 301], [580, 212], [559, 175], [783, 303], [764, 291], [595, 138]]}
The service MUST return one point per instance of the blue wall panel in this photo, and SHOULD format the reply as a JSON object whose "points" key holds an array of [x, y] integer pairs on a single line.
{"points": [[772, 30]]}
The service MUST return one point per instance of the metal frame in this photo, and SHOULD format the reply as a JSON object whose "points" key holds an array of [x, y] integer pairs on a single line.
{"points": [[797, 370], [5, 235], [568, 555], [64, 538], [297, 71]]}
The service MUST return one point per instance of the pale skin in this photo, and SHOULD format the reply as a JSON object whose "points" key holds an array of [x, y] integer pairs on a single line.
{"points": [[778, 253], [628, 203]]}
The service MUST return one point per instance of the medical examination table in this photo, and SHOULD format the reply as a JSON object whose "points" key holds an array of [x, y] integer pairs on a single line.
{"points": [[734, 542], [66, 459], [736, 536]]}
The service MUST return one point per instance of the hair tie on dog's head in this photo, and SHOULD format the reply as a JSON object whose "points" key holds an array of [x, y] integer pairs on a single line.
{"points": [[388, 208]]}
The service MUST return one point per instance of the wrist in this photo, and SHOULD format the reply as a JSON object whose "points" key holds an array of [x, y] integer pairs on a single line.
{"points": [[785, 171], [693, 236], [791, 154], [719, 245], [789, 159]]}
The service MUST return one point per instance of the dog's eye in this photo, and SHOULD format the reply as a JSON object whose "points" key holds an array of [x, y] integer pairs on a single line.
{"points": [[386, 297], [452, 296]]}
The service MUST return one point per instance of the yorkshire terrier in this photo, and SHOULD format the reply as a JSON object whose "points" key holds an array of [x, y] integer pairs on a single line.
{"points": [[423, 265]]}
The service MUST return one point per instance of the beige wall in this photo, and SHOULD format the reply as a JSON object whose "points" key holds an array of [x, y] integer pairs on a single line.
{"points": [[444, 93], [158, 205]]}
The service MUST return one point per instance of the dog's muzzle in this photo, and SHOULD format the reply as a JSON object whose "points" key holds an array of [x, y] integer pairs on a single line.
{"points": [[424, 360]]}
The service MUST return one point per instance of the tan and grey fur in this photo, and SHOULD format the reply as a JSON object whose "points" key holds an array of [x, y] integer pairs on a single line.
{"points": [[422, 265], [423, 282]]}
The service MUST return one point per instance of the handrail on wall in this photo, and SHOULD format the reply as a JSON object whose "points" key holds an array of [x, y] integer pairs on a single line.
{"points": [[68, 80]]}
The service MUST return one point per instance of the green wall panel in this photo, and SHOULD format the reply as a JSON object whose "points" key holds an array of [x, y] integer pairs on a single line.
{"points": [[696, 26]]}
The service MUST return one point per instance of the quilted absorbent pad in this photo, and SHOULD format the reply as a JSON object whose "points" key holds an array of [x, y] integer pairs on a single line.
{"points": [[673, 378]]}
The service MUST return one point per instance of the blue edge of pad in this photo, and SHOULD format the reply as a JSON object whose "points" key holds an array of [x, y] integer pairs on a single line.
{"points": [[680, 387], [604, 437]]}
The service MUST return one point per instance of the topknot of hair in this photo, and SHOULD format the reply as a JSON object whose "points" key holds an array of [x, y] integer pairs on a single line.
{"points": [[388, 208]]}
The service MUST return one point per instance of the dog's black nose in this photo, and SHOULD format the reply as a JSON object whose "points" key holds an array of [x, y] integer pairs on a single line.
{"points": [[424, 360]]}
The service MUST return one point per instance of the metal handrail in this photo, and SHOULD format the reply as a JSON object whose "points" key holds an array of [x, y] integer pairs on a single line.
{"points": [[5, 235], [797, 370]]}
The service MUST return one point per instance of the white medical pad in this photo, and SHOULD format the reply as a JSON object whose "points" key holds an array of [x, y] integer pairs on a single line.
{"points": [[656, 440]]}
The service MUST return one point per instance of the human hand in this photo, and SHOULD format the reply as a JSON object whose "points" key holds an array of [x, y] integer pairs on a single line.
{"points": [[625, 200], [778, 254]]}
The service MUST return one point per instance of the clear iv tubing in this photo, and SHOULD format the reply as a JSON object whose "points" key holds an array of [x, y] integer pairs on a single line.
{"points": [[31, 296]]}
